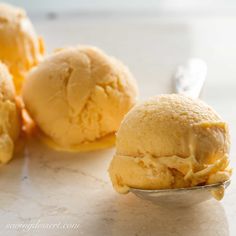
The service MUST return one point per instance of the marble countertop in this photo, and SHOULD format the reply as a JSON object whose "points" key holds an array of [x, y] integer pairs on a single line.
{"points": [[55, 193]]}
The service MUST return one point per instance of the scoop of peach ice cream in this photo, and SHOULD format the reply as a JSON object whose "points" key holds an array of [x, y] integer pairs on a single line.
{"points": [[10, 122], [20, 47], [78, 97], [170, 141]]}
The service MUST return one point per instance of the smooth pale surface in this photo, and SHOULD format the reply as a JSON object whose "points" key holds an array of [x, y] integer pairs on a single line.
{"points": [[75, 188]]}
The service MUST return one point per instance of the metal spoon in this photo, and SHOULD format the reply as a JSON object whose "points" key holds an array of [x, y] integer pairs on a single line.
{"points": [[188, 80]]}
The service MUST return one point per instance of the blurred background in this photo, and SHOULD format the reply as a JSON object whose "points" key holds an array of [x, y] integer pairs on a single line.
{"points": [[160, 6]]}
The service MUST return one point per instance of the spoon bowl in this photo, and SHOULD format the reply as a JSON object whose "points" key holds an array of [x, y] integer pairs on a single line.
{"points": [[181, 197]]}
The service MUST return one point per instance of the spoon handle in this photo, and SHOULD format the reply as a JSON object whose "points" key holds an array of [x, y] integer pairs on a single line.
{"points": [[189, 78]]}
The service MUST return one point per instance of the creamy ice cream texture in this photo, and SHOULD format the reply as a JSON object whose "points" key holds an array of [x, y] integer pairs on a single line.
{"points": [[10, 122], [20, 47], [78, 97], [170, 141]]}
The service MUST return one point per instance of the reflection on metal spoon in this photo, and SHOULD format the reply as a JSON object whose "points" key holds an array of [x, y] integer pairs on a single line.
{"points": [[181, 197]]}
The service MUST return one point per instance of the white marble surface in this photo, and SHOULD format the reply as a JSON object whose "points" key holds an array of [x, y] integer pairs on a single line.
{"points": [[41, 186]]}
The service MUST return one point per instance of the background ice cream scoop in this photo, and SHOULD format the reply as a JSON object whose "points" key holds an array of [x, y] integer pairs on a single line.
{"points": [[78, 97], [10, 122], [170, 141], [20, 48]]}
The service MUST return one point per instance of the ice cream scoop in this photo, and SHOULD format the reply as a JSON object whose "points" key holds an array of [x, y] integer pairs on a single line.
{"points": [[77, 97], [169, 146], [170, 141], [10, 121], [20, 47]]}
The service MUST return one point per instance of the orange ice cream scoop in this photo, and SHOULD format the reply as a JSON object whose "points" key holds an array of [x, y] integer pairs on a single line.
{"points": [[10, 118], [77, 97], [170, 141], [20, 47]]}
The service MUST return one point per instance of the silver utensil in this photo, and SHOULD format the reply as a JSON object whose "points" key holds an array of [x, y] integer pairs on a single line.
{"points": [[188, 80], [180, 197]]}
